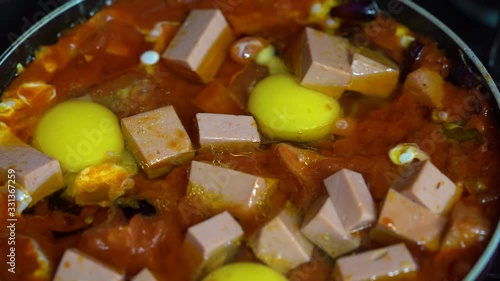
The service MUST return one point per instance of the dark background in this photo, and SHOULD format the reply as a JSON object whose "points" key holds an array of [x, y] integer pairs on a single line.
{"points": [[18, 15], [476, 27]]}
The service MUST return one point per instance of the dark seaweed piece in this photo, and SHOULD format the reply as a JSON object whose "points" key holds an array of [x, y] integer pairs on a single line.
{"points": [[412, 54], [64, 234], [415, 50], [57, 202], [131, 207], [462, 75], [29, 210], [358, 10]]}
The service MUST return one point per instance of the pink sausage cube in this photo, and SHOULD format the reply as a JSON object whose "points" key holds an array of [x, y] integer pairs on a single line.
{"points": [[38, 174], [371, 77], [323, 63], [200, 45], [158, 140], [78, 266], [226, 129], [228, 187], [431, 188], [280, 244], [323, 227], [377, 264], [351, 198], [213, 242], [404, 219]]}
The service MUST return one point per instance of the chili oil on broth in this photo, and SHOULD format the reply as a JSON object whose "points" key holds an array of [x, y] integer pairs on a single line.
{"points": [[78, 65]]}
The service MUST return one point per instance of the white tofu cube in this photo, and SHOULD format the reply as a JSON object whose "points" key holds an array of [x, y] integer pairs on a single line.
{"points": [[77, 266], [200, 45], [229, 130], [323, 63], [158, 140], [213, 242], [323, 227], [431, 188], [393, 261], [228, 187], [351, 198], [280, 244], [404, 219]]}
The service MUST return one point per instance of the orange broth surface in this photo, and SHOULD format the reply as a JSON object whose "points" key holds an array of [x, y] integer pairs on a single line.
{"points": [[155, 241]]}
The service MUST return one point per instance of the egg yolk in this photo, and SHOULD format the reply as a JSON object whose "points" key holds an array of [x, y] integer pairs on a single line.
{"points": [[79, 134], [284, 110], [245, 271]]}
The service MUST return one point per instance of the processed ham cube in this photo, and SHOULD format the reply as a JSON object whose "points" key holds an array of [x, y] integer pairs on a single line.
{"points": [[227, 130], [371, 77], [36, 174], [401, 218], [323, 227], [393, 261], [429, 187], [77, 266], [280, 244], [323, 62], [158, 140], [351, 199], [209, 244], [200, 46], [222, 186]]}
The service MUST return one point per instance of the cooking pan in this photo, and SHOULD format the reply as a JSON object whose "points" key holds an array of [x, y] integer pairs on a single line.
{"points": [[47, 30]]}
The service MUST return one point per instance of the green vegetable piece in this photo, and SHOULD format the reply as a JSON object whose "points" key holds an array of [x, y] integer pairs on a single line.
{"points": [[460, 134]]}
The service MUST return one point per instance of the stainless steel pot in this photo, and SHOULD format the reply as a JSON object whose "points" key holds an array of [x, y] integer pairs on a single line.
{"points": [[421, 21], [47, 30]]}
